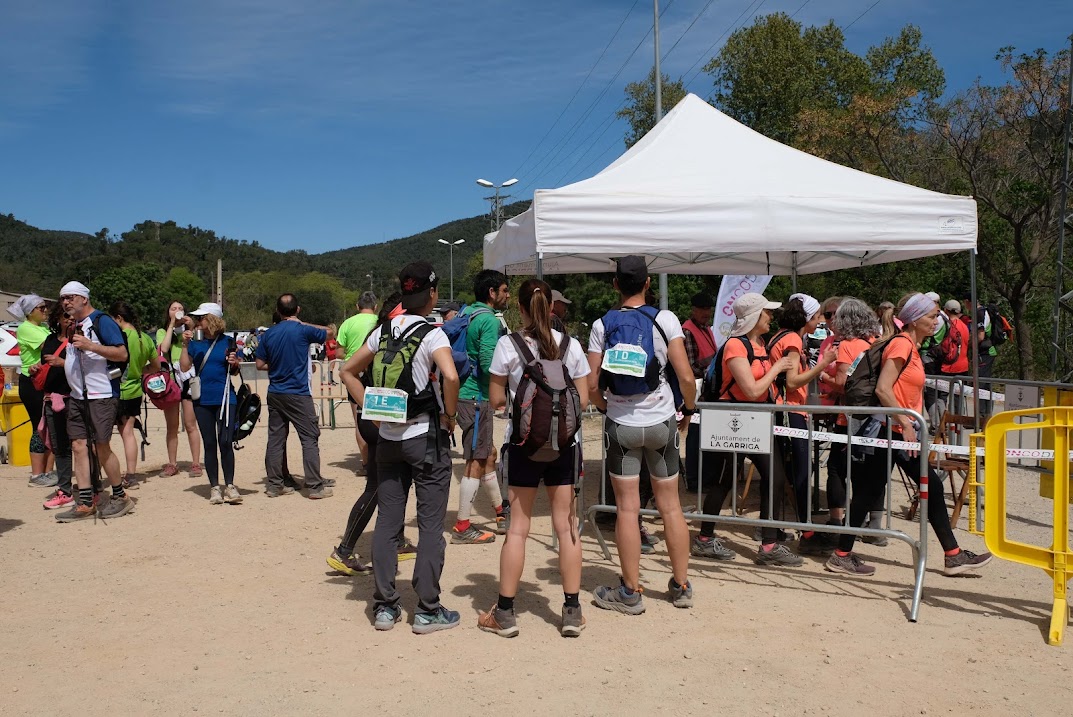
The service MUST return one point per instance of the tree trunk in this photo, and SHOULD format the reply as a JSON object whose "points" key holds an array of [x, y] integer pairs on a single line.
{"points": [[1023, 337]]}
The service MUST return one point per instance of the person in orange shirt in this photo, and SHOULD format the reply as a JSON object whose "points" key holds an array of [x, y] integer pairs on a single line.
{"points": [[799, 317], [747, 382], [901, 385]]}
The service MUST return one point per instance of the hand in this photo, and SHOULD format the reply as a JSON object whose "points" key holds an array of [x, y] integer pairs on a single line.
{"points": [[447, 423], [828, 357], [188, 335], [233, 359], [35, 368], [909, 434], [53, 360], [683, 423], [783, 365], [80, 342]]}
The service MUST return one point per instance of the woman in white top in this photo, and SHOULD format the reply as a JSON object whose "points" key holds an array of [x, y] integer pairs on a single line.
{"points": [[524, 475]]}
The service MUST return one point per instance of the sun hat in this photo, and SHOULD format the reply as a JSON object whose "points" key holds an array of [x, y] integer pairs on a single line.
{"points": [[747, 310]]}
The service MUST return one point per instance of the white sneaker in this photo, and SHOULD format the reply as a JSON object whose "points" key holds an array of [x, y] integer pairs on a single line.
{"points": [[232, 496], [216, 496]]}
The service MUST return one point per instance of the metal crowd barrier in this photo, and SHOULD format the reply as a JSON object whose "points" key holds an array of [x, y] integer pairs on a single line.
{"points": [[762, 417]]}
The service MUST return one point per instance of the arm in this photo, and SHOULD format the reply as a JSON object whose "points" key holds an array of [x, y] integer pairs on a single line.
{"points": [[497, 391], [796, 378], [184, 358], [116, 354], [488, 337], [596, 396], [446, 364], [676, 353], [752, 388], [350, 372], [261, 364]]}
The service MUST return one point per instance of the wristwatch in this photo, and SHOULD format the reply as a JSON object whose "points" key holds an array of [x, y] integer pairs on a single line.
{"points": [[689, 411]]}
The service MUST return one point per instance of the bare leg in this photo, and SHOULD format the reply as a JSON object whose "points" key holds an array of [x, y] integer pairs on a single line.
{"points": [[109, 463], [80, 463], [193, 433], [512, 557], [130, 444], [627, 537], [674, 526], [171, 417], [564, 522]]}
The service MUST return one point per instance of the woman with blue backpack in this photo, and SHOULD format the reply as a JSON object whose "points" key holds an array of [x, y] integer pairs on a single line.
{"points": [[543, 369]]}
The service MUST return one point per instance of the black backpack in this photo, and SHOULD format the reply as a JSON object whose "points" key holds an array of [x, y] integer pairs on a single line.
{"points": [[712, 387], [1000, 326], [864, 374], [247, 412]]}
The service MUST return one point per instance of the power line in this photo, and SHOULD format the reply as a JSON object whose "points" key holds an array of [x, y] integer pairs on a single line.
{"points": [[800, 9], [861, 15], [707, 53], [684, 32]]}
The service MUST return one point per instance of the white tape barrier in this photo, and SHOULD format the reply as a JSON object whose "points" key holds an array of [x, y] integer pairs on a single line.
{"points": [[1028, 453], [963, 389]]}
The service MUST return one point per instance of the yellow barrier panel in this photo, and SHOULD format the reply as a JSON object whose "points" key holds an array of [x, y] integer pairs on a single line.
{"points": [[1056, 560], [974, 482], [1052, 396]]}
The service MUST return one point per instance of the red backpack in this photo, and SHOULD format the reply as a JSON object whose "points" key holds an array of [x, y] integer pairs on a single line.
{"points": [[161, 388]]}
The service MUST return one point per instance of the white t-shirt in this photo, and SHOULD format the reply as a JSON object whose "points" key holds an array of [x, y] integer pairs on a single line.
{"points": [[643, 409], [98, 385], [423, 368], [507, 362]]}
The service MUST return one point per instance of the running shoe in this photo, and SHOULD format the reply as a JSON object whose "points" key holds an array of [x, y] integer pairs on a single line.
{"points": [[648, 538], [439, 619], [386, 617], [77, 513], [170, 470], [319, 494], [406, 550], [502, 622], [964, 561], [44, 480], [503, 522], [472, 536], [779, 555], [348, 565], [681, 595], [618, 600], [57, 500], [573, 621], [195, 470], [848, 565], [231, 495], [277, 492], [216, 496], [113, 507], [328, 482], [129, 482], [713, 548]]}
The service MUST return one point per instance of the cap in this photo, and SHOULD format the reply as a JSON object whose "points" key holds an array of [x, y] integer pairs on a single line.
{"points": [[417, 281], [747, 309], [557, 295], [208, 308], [953, 305], [631, 267], [933, 296], [452, 306], [702, 300]]}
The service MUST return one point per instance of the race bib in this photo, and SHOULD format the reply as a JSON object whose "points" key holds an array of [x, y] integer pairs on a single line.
{"points": [[384, 404], [626, 360]]}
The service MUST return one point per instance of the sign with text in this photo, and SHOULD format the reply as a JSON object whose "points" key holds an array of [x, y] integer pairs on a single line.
{"points": [[1021, 397], [724, 429]]}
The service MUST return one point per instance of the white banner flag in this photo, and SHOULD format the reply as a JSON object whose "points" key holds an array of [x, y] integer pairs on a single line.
{"points": [[729, 290]]}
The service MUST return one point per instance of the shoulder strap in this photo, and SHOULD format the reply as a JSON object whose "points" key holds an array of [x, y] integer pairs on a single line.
{"points": [[652, 318], [521, 347], [775, 339], [207, 353], [749, 354], [564, 345]]}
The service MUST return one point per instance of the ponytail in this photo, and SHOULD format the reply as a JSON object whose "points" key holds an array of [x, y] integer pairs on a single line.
{"points": [[535, 297]]}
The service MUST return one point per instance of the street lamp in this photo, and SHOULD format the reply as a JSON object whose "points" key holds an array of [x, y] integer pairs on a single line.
{"points": [[370, 278], [497, 200], [451, 245]]}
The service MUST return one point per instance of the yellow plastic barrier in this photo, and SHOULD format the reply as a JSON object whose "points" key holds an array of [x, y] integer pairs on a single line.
{"points": [[1052, 396], [1056, 561], [15, 423]]}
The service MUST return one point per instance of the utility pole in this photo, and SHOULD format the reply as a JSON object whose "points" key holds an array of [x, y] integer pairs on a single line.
{"points": [[663, 290], [496, 214], [220, 282]]}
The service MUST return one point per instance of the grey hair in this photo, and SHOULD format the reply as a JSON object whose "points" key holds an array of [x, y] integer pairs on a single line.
{"points": [[855, 320], [367, 300]]}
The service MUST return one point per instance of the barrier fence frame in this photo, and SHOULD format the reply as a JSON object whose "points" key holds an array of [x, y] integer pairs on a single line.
{"points": [[919, 545]]}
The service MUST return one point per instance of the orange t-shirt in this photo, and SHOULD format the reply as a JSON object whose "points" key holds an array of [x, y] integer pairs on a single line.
{"points": [[909, 387], [791, 343], [848, 351], [735, 348]]}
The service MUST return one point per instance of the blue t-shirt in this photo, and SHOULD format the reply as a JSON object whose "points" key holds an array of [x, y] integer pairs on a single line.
{"points": [[214, 375], [285, 347]]}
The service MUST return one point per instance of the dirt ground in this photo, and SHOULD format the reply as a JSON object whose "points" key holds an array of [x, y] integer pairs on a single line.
{"points": [[184, 607]]}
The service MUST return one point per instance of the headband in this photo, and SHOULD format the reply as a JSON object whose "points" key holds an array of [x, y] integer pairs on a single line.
{"points": [[916, 307]]}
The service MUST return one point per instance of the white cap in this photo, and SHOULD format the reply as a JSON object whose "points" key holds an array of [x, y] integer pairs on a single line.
{"points": [[933, 296], [208, 308], [557, 295]]}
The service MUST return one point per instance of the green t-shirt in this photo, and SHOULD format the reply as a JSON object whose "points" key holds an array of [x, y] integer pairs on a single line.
{"points": [[141, 348], [353, 332], [481, 339], [176, 346], [30, 337]]}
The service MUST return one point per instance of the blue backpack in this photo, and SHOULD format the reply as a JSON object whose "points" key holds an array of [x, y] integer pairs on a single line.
{"points": [[633, 325], [456, 330]]}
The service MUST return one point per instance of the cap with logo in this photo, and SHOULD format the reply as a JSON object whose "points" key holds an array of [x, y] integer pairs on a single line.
{"points": [[417, 281]]}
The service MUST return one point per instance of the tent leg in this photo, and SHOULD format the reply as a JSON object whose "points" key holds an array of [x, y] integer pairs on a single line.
{"points": [[793, 272], [975, 342], [540, 266], [663, 291]]}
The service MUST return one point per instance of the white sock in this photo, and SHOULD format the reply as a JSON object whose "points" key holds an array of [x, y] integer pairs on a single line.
{"points": [[466, 494], [490, 483]]}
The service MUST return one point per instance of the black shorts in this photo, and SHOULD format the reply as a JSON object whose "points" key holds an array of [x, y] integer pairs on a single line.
{"points": [[128, 408], [185, 393], [524, 473]]}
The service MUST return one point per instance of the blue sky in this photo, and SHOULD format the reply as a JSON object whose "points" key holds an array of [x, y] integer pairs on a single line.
{"points": [[349, 122]]}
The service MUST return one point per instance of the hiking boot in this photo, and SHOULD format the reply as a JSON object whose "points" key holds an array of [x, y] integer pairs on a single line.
{"points": [[648, 538], [816, 545], [616, 599], [406, 550], [964, 561], [386, 617], [713, 548], [439, 619], [779, 555], [472, 536], [322, 492], [113, 507], [129, 482], [573, 621], [348, 565], [848, 565], [502, 622], [681, 595], [277, 492], [195, 470], [44, 480], [170, 470], [231, 495], [216, 496], [57, 500], [77, 513]]}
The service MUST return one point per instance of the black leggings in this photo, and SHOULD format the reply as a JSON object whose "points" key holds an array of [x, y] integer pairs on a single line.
{"points": [[718, 480], [799, 476], [217, 437], [34, 401], [364, 506], [870, 481], [836, 472]]}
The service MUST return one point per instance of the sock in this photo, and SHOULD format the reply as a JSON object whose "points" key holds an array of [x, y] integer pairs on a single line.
{"points": [[808, 534], [626, 590], [571, 600], [951, 553], [490, 483], [704, 538], [85, 496], [767, 547], [461, 526], [507, 603], [841, 553], [118, 492], [467, 492]]}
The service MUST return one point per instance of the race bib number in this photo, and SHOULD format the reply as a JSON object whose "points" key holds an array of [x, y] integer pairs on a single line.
{"points": [[626, 360], [384, 404]]}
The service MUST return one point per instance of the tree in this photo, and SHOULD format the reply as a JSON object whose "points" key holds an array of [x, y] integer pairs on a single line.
{"points": [[640, 111], [1007, 143], [140, 285], [185, 286]]}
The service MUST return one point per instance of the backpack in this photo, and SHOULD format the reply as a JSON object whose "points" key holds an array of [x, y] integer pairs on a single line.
{"points": [[247, 412], [456, 330], [780, 380], [393, 366], [161, 387], [1001, 328], [95, 320], [950, 348], [712, 386], [864, 374], [546, 411], [632, 325]]}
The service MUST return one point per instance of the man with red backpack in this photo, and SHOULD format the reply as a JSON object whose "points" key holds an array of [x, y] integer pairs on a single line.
{"points": [[956, 355]]}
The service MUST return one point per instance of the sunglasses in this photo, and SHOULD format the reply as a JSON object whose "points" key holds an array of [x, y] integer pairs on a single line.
{"points": [[42, 307], [68, 297]]}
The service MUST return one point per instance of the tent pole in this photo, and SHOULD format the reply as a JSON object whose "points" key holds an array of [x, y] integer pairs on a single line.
{"points": [[793, 271], [540, 266], [975, 332], [657, 79]]}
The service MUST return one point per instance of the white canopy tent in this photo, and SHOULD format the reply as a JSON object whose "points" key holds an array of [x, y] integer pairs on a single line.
{"points": [[703, 194]]}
